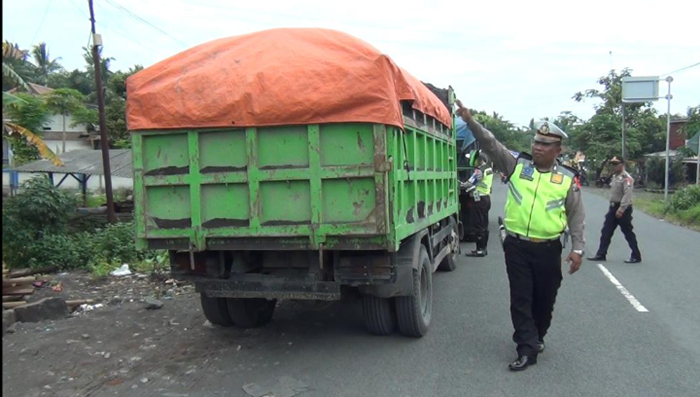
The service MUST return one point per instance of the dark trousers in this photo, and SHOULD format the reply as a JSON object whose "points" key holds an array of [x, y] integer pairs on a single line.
{"points": [[625, 223], [534, 273], [481, 210]]}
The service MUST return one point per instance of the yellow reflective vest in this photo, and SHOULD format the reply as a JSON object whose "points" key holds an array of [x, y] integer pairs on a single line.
{"points": [[535, 207], [486, 182]]}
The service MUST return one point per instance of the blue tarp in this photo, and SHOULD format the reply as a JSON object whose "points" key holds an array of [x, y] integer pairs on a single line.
{"points": [[464, 134]]}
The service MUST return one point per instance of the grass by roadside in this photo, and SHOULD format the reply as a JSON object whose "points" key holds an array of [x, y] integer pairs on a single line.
{"points": [[653, 204]]}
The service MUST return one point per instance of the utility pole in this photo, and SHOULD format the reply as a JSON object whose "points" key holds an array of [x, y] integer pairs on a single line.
{"points": [[96, 42], [669, 80], [624, 131]]}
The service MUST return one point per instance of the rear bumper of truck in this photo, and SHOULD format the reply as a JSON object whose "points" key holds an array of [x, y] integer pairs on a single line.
{"points": [[269, 287], [378, 274]]}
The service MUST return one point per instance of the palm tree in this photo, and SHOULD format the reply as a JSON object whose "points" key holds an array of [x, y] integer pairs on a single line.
{"points": [[45, 65], [104, 63], [10, 53], [11, 129]]}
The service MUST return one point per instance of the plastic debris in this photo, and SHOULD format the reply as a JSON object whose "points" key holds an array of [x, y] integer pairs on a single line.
{"points": [[85, 307], [122, 271]]}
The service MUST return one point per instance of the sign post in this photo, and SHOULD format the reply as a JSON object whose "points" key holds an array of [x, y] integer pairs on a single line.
{"points": [[646, 89]]}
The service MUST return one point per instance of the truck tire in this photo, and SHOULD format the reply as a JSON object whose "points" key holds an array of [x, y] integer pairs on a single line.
{"points": [[449, 263], [251, 313], [216, 310], [379, 319], [414, 312]]}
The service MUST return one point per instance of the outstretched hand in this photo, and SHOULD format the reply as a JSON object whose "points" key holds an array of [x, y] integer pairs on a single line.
{"points": [[461, 110]]}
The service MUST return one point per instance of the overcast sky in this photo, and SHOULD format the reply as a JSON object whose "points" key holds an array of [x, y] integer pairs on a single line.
{"points": [[522, 59]]}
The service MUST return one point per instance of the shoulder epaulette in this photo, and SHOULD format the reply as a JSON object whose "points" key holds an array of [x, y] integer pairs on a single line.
{"points": [[570, 169]]}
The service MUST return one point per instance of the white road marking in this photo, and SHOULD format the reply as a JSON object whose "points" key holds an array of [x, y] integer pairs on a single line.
{"points": [[635, 303]]}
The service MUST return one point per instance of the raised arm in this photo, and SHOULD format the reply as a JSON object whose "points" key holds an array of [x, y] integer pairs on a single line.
{"points": [[499, 154]]}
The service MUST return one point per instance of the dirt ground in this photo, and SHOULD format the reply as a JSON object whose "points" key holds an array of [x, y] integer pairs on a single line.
{"points": [[124, 349]]}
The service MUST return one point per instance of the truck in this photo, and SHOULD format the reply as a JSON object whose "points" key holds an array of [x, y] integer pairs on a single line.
{"points": [[467, 146], [338, 194]]}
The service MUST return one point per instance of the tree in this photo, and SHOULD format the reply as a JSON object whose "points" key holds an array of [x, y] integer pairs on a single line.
{"points": [[28, 113], [116, 108], [45, 65], [90, 65], [512, 137], [64, 101], [690, 129], [600, 137], [693, 125], [23, 112], [117, 82], [16, 71], [12, 58], [76, 79]]}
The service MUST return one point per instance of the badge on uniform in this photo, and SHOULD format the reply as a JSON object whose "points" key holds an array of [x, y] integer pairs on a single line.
{"points": [[527, 173], [557, 178]]}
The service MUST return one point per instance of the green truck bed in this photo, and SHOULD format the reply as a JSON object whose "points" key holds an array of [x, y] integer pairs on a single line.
{"points": [[305, 187]]}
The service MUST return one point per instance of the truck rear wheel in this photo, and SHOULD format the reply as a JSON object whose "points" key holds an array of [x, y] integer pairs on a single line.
{"points": [[449, 263], [379, 319], [216, 310], [251, 313], [414, 312]]}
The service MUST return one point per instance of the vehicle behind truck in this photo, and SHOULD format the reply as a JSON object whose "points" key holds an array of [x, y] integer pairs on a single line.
{"points": [[296, 164]]}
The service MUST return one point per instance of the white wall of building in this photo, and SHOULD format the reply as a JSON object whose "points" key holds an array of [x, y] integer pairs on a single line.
{"points": [[55, 123]]}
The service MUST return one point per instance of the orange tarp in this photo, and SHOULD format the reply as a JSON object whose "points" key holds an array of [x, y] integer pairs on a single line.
{"points": [[276, 77]]}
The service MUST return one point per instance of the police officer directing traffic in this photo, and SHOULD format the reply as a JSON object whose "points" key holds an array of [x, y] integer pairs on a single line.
{"points": [[543, 198], [619, 213]]}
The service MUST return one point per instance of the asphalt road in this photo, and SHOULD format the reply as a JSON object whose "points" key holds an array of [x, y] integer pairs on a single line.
{"points": [[599, 343]]}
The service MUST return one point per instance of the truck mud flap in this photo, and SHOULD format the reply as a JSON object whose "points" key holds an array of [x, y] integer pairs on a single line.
{"points": [[268, 287]]}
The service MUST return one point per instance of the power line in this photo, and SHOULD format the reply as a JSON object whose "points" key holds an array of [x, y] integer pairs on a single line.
{"points": [[138, 18], [123, 33], [286, 17], [48, 5], [682, 69], [79, 10]]}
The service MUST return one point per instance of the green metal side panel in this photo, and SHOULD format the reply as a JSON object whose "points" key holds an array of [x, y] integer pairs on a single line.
{"points": [[373, 183]]}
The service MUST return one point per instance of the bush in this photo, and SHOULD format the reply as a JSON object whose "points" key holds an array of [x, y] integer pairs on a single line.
{"points": [[656, 168], [116, 242], [686, 198], [40, 207], [36, 234], [29, 219], [55, 249], [691, 216]]}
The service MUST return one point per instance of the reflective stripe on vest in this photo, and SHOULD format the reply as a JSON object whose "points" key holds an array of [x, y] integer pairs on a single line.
{"points": [[484, 185], [536, 201]]}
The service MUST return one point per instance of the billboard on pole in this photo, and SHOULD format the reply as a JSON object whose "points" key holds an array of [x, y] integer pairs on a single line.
{"points": [[640, 89]]}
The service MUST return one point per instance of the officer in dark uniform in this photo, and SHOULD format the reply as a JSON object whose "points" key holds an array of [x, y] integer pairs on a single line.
{"points": [[543, 199], [619, 213]]}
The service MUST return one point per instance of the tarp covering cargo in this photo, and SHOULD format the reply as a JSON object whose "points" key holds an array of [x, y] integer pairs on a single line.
{"points": [[276, 77]]}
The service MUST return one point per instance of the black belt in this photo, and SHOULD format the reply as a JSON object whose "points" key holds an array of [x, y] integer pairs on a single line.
{"points": [[532, 240], [616, 204]]}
